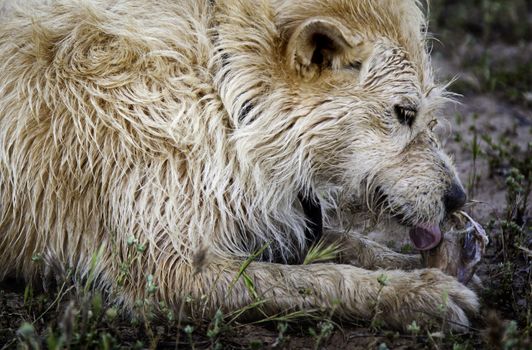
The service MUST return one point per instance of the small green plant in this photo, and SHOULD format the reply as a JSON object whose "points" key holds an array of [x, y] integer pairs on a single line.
{"points": [[413, 328], [442, 308], [511, 337], [383, 281], [28, 296], [188, 331], [216, 328], [280, 340], [458, 346], [325, 330], [322, 252], [256, 344], [28, 337], [242, 272], [383, 346], [407, 248], [135, 251]]}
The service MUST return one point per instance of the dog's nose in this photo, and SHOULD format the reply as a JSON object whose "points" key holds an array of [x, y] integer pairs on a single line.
{"points": [[454, 198]]}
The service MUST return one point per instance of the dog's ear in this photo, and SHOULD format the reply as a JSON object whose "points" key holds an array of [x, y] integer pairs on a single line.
{"points": [[316, 44]]}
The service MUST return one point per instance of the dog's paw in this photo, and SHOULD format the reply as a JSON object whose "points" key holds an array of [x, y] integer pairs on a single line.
{"points": [[429, 297]]}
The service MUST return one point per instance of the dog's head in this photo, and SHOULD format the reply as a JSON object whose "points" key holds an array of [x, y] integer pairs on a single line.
{"points": [[353, 105]]}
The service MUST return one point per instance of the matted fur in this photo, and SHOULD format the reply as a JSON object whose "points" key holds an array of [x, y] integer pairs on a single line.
{"points": [[193, 126]]}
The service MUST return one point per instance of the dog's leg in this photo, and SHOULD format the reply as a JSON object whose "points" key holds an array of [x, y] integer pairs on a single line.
{"points": [[393, 297], [363, 252]]}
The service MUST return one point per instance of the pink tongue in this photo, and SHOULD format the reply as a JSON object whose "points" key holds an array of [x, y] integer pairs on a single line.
{"points": [[425, 237]]}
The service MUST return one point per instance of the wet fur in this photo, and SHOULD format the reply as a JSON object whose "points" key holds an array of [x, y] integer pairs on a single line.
{"points": [[192, 128]]}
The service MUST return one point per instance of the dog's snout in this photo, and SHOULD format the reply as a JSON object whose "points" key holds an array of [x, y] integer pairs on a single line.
{"points": [[454, 198]]}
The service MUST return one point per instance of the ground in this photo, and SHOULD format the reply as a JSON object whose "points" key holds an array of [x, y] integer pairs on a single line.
{"points": [[486, 46]]}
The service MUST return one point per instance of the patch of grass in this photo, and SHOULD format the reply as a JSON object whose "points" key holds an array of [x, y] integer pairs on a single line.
{"points": [[510, 285], [325, 330], [490, 39], [510, 80], [85, 319], [486, 20], [508, 264], [322, 252]]}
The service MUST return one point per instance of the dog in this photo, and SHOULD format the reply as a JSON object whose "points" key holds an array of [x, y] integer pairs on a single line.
{"points": [[195, 134]]}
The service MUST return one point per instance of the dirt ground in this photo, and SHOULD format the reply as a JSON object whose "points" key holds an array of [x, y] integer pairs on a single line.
{"points": [[489, 132]]}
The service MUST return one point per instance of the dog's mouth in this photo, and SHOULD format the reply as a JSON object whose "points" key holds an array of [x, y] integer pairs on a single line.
{"points": [[423, 236]]}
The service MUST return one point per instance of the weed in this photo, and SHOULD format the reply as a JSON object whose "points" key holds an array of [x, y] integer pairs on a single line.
{"points": [[510, 282], [216, 328], [382, 346], [322, 252], [383, 281], [28, 338], [413, 328], [407, 248], [475, 151], [325, 330], [280, 340], [188, 331]]}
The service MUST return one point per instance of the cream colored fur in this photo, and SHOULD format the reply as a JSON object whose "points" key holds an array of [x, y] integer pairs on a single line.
{"points": [[193, 126]]}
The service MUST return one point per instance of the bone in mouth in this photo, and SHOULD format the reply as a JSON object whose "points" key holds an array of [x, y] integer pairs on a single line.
{"points": [[460, 250]]}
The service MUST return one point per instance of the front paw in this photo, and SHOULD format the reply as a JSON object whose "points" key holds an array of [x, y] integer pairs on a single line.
{"points": [[429, 297]]}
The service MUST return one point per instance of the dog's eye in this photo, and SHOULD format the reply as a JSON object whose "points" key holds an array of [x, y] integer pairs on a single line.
{"points": [[406, 115], [356, 65]]}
